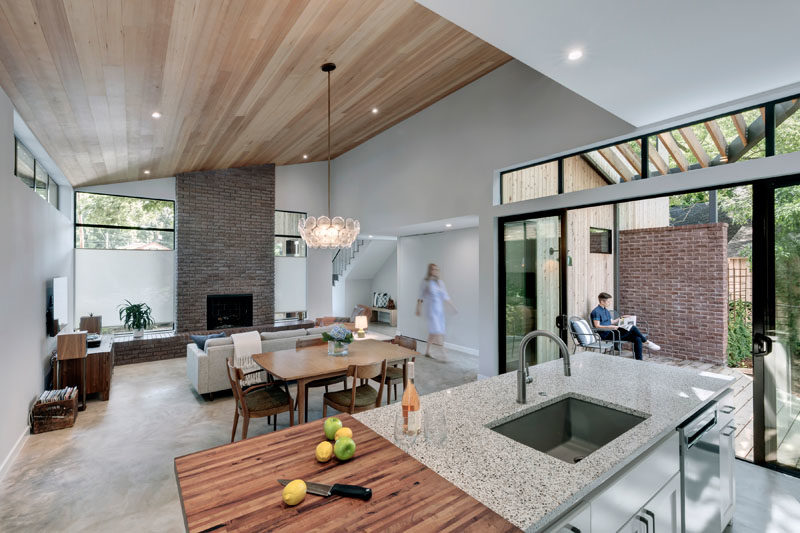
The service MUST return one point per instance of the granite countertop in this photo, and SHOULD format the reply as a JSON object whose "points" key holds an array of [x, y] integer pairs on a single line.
{"points": [[530, 488]]}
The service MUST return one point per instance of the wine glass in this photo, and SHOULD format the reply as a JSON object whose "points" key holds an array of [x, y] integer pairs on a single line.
{"points": [[402, 437]]}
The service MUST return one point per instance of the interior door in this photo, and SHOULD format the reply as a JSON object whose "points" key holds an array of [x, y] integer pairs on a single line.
{"points": [[776, 324], [530, 287]]}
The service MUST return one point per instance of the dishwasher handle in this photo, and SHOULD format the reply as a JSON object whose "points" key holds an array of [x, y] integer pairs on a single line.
{"points": [[693, 439]]}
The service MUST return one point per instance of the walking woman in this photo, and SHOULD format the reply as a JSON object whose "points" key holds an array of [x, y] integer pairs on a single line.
{"points": [[433, 296]]}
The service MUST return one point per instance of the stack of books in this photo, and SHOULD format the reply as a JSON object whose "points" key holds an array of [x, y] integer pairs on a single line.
{"points": [[57, 395]]}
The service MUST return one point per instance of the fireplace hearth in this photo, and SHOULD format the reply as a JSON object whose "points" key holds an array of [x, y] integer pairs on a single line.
{"points": [[229, 310]]}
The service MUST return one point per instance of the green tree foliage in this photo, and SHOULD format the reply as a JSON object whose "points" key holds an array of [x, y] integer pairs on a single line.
{"points": [[740, 332], [123, 211]]}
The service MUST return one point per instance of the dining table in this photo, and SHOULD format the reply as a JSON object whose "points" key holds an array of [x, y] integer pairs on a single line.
{"points": [[313, 362]]}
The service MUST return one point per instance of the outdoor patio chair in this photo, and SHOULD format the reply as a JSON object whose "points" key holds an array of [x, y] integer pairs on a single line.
{"points": [[586, 337]]}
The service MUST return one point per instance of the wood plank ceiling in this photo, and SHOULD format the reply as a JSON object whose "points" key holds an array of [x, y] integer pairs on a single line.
{"points": [[237, 81]]}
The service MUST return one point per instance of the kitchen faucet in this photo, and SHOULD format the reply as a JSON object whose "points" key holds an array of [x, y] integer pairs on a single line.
{"points": [[522, 374]]}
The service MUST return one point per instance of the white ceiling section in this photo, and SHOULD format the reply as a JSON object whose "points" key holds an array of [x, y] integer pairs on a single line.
{"points": [[644, 61]]}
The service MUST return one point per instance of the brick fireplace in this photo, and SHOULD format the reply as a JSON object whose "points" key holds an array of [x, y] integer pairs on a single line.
{"points": [[225, 228]]}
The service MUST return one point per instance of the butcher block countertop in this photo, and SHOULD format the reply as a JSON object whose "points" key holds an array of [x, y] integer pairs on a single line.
{"points": [[234, 488]]}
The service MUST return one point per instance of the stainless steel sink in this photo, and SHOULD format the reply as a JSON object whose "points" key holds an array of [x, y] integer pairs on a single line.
{"points": [[569, 429]]}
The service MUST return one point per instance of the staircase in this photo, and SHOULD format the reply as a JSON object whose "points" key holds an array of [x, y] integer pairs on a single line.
{"points": [[344, 258]]}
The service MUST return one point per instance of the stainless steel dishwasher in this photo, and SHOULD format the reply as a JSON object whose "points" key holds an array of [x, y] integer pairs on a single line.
{"points": [[700, 472]]}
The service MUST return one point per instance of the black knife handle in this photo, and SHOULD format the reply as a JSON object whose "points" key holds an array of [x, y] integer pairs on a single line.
{"points": [[352, 491]]}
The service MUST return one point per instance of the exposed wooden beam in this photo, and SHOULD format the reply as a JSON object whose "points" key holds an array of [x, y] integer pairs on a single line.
{"points": [[755, 131], [712, 126], [694, 145], [616, 163], [741, 126], [674, 150], [656, 159], [631, 157]]}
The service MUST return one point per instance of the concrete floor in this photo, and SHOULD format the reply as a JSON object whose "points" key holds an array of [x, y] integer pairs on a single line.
{"points": [[113, 470]]}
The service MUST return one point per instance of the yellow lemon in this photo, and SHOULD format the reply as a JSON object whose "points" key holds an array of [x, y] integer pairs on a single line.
{"points": [[294, 492], [343, 432], [324, 451]]}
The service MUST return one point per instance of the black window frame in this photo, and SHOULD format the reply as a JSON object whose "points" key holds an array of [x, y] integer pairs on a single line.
{"points": [[77, 224], [608, 233], [769, 140], [296, 236]]}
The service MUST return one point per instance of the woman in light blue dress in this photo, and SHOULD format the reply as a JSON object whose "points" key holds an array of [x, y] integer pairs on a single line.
{"points": [[433, 296]]}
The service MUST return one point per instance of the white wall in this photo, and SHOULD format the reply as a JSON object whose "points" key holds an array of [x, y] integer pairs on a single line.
{"points": [[456, 253], [159, 189], [37, 245], [385, 279], [441, 162], [304, 188]]}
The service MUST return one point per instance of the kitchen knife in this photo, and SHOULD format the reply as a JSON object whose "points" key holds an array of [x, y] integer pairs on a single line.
{"points": [[320, 489]]}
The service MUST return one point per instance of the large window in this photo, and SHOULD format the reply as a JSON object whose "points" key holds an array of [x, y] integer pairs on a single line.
{"points": [[107, 222], [288, 242]]}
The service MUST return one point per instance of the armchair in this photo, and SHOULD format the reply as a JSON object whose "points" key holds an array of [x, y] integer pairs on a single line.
{"points": [[586, 337]]}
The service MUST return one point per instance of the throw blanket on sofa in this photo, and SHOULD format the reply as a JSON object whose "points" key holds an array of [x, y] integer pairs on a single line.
{"points": [[245, 345]]}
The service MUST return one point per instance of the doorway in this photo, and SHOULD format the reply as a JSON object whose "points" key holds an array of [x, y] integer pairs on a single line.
{"points": [[776, 324]]}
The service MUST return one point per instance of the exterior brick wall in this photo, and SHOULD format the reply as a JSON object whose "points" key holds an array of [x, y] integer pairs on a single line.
{"points": [[170, 345], [225, 228], [675, 278]]}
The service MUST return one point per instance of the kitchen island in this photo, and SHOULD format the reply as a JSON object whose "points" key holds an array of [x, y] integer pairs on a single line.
{"points": [[529, 488]]}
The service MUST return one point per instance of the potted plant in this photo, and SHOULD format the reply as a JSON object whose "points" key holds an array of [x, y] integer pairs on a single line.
{"points": [[136, 317], [338, 338]]}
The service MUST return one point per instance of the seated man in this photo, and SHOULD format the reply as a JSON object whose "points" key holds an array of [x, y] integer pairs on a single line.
{"points": [[604, 324]]}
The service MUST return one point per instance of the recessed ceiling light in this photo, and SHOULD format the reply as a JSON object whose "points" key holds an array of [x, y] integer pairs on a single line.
{"points": [[575, 54], [147, 172], [448, 225], [305, 156], [374, 110], [370, 236], [156, 114]]}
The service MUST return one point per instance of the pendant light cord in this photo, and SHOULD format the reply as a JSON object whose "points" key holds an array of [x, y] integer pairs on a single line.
{"points": [[329, 144]]}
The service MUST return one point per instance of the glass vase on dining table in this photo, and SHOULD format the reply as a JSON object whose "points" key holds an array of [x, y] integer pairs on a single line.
{"points": [[337, 348]]}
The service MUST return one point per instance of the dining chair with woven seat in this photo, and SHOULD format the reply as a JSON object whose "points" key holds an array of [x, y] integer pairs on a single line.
{"points": [[323, 382], [358, 397], [394, 373], [257, 401]]}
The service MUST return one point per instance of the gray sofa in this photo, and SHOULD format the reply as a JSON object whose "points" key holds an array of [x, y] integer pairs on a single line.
{"points": [[207, 370]]}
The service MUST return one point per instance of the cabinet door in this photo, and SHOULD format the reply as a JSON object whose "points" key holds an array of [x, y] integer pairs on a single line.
{"points": [[578, 521], [663, 513], [726, 475]]}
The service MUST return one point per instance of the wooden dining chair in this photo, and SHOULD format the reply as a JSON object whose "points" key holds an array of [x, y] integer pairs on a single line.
{"points": [[324, 382], [358, 397], [257, 401], [394, 373]]}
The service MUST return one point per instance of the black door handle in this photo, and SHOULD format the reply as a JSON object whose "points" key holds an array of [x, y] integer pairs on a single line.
{"points": [[762, 345]]}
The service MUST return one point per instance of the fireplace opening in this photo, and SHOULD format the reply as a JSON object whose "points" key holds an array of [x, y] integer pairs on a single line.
{"points": [[229, 310]]}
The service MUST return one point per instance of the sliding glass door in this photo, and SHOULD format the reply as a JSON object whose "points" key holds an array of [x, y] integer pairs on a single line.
{"points": [[776, 324], [530, 287]]}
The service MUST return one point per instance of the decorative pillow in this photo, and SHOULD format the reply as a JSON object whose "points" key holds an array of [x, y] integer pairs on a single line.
{"points": [[380, 299], [200, 340], [583, 331]]}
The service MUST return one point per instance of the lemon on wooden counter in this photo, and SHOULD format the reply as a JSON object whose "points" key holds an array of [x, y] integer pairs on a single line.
{"points": [[324, 451], [294, 492], [343, 432]]}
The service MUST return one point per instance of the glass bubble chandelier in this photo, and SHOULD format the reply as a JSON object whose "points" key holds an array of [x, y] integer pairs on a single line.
{"points": [[326, 231]]}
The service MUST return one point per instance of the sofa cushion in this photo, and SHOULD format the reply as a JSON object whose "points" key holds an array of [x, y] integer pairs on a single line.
{"points": [[200, 340], [218, 341], [320, 330], [285, 334]]}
